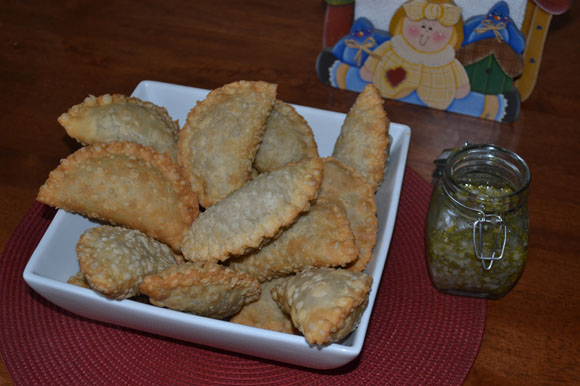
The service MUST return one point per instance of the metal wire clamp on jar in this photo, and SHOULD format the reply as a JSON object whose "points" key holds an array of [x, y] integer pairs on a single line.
{"points": [[477, 224]]}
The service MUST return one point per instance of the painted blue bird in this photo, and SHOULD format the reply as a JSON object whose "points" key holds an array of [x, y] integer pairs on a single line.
{"points": [[353, 49], [496, 24]]}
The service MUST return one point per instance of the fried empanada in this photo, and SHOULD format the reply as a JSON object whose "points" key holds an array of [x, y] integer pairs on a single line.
{"points": [[364, 137], [288, 138], [320, 237], [254, 213], [265, 312], [325, 304], [79, 280], [221, 136], [114, 260], [201, 288], [347, 187], [126, 184], [109, 118]]}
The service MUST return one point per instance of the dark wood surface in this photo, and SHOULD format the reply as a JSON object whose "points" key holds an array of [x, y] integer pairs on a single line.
{"points": [[53, 54]]}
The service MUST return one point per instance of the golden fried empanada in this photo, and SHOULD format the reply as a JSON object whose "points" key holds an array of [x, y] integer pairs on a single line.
{"points": [[79, 280], [114, 260], [347, 187], [126, 184], [265, 312], [254, 213], [325, 304], [288, 138], [201, 288], [109, 118], [221, 135], [364, 137], [320, 237]]}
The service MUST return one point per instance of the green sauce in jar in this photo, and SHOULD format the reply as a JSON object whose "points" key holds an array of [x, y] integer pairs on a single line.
{"points": [[475, 210]]}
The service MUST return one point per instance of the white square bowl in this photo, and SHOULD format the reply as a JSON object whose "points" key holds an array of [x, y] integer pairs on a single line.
{"points": [[54, 259]]}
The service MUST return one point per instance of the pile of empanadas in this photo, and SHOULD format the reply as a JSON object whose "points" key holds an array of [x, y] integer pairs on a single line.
{"points": [[234, 217]]}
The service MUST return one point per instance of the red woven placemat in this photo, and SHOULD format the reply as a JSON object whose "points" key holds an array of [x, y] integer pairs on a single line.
{"points": [[416, 335]]}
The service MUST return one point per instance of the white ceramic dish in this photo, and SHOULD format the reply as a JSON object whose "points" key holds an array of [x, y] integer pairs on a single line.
{"points": [[54, 259]]}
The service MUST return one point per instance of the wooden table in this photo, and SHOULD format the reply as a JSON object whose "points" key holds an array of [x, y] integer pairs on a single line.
{"points": [[53, 54]]}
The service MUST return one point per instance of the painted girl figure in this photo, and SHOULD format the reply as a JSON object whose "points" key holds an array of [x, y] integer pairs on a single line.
{"points": [[418, 65], [420, 57]]}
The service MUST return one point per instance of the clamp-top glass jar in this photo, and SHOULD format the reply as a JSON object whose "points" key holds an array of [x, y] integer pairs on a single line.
{"points": [[477, 225]]}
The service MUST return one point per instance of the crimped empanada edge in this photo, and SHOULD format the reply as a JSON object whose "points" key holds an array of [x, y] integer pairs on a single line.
{"points": [[109, 99], [187, 134], [189, 209], [367, 195]]}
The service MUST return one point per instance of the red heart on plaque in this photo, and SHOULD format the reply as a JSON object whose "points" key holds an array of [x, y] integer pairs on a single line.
{"points": [[396, 75]]}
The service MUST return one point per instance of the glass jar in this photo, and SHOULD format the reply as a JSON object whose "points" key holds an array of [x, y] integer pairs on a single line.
{"points": [[477, 224]]}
